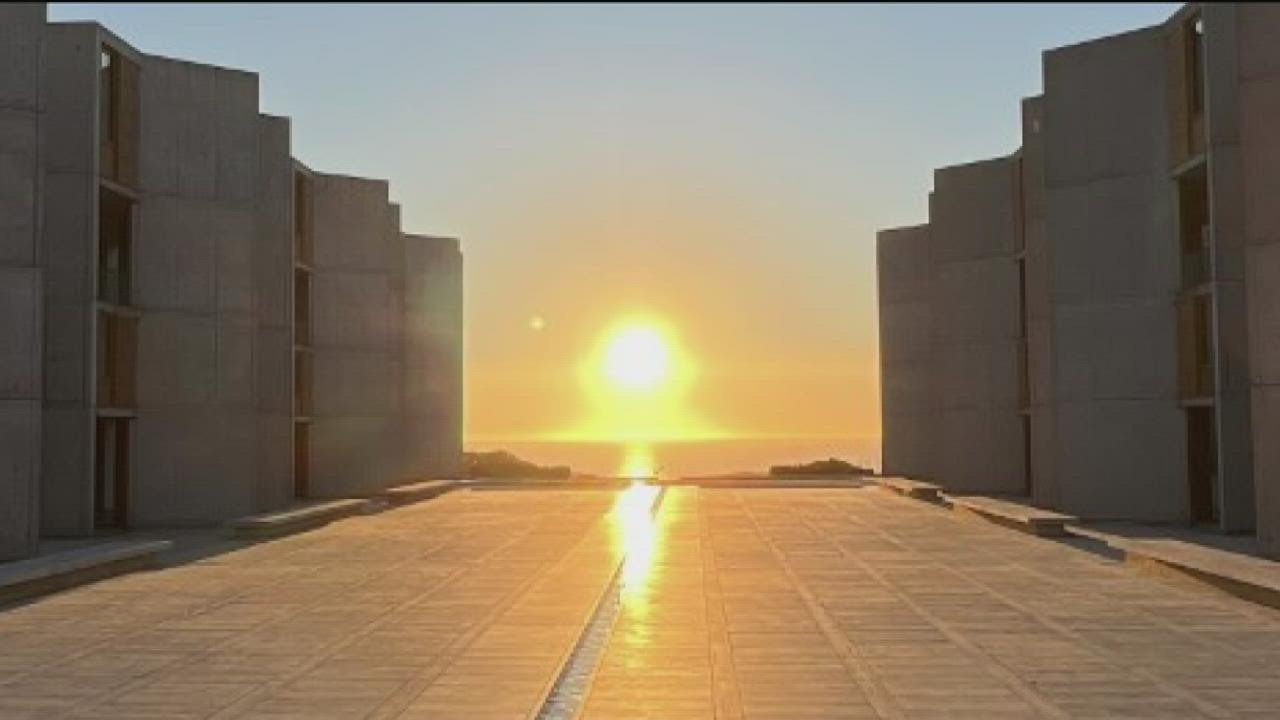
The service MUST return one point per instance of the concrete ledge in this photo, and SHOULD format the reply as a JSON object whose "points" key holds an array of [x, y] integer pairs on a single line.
{"points": [[548, 483], [914, 489], [1247, 577], [294, 519], [777, 482], [415, 492], [1028, 519], [48, 573]]}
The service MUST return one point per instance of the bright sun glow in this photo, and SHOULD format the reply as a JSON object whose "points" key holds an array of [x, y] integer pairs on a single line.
{"points": [[636, 384], [637, 359]]}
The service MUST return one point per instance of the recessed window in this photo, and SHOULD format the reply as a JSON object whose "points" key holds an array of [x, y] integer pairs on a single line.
{"points": [[1195, 65], [115, 247], [117, 117]]}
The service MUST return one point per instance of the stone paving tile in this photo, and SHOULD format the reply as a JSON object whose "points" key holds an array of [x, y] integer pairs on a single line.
{"points": [[860, 604], [467, 597], [951, 618], [845, 603]]}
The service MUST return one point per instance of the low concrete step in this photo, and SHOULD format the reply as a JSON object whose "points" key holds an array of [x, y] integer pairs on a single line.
{"points": [[1013, 514], [417, 491], [915, 489], [60, 570], [780, 482], [1246, 576], [294, 519]]}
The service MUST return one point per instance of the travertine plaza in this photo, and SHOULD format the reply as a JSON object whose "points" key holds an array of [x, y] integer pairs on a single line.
{"points": [[197, 326], [729, 603], [1090, 323]]}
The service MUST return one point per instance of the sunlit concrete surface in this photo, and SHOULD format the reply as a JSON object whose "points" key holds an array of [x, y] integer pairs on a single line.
{"points": [[862, 604], [460, 607], [756, 603]]}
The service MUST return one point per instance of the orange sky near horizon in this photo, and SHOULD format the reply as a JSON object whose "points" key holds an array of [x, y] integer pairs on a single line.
{"points": [[783, 352]]}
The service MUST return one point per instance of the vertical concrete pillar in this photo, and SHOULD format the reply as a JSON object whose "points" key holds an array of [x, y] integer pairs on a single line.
{"points": [[1227, 240], [432, 389], [1114, 274], [22, 88], [197, 431], [273, 308], [1036, 306], [975, 328], [357, 306], [69, 248], [904, 279], [1257, 27]]}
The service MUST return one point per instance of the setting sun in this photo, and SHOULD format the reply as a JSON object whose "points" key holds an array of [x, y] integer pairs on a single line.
{"points": [[637, 358], [635, 384]]}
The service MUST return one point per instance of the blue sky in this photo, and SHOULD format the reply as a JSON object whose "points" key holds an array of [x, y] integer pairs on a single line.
{"points": [[723, 166]]}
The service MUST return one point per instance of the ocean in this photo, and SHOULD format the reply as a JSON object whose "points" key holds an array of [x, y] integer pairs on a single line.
{"points": [[700, 457]]}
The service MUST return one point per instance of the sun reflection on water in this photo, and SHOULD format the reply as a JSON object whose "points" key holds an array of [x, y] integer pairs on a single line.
{"points": [[636, 534]]}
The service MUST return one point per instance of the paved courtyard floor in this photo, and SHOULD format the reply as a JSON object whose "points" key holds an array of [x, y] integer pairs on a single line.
{"points": [[753, 603]]}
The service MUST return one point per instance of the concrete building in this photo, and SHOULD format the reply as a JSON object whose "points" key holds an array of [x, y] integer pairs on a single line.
{"points": [[204, 328], [432, 391], [357, 302], [1035, 351], [950, 335], [1118, 431], [978, 434], [907, 407], [22, 125], [1141, 196], [1257, 73]]}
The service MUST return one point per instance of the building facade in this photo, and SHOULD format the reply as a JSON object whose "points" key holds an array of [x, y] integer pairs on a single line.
{"points": [[205, 327], [1257, 69], [22, 126], [975, 328], [1142, 195]]}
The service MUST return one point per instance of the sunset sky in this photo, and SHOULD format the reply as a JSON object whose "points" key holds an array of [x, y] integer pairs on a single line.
{"points": [[717, 171]]}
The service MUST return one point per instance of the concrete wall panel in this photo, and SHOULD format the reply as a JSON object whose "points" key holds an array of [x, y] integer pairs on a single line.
{"points": [[1115, 460], [20, 430], [432, 352], [177, 250], [357, 305], [71, 70], [904, 282], [22, 87], [197, 439], [21, 313], [191, 467], [19, 184], [975, 328], [1108, 96], [66, 497], [1118, 433], [1257, 27]]}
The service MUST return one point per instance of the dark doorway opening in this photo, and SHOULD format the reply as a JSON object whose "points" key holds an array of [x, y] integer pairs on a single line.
{"points": [[301, 454], [1027, 481], [111, 474], [1202, 465]]}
